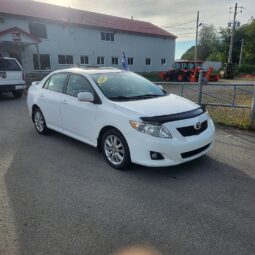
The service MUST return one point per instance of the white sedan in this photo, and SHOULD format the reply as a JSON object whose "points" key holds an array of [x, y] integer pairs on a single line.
{"points": [[126, 116]]}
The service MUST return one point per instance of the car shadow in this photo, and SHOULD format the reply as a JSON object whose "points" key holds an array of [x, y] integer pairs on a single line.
{"points": [[66, 200]]}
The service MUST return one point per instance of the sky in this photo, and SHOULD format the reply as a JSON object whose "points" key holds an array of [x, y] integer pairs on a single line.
{"points": [[175, 16]]}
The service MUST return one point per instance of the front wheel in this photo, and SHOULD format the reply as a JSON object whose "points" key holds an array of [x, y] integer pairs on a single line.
{"points": [[39, 121], [17, 93], [115, 149]]}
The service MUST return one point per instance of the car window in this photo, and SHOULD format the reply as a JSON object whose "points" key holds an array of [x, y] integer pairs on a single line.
{"points": [[9, 65], [77, 84], [56, 82]]}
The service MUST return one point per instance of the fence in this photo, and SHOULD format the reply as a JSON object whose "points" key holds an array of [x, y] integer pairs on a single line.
{"points": [[208, 90]]}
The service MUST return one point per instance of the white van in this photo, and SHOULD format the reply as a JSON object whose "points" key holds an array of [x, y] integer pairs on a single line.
{"points": [[11, 77]]}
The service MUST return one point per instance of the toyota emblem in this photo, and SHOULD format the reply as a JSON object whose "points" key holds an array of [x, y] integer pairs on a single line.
{"points": [[198, 126]]}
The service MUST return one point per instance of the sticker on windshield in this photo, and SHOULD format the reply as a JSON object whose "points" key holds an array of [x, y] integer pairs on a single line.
{"points": [[101, 80]]}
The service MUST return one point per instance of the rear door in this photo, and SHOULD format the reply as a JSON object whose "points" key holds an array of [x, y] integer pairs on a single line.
{"points": [[49, 99], [11, 72]]}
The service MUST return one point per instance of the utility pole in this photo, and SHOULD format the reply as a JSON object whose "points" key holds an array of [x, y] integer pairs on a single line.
{"points": [[233, 32], [241, 53], [196, 36]]}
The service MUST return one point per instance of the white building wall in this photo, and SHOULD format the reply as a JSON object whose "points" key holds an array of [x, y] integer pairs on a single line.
{"points": [[79, 40]]}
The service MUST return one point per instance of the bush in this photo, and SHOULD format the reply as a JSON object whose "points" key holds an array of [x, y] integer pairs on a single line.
{"points": [[246, 69]]}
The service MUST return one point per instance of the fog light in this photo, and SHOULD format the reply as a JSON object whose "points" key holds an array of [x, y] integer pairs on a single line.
{"points": [[156, 155]]}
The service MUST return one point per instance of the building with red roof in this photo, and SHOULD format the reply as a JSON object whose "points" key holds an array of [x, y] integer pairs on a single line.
{"points": [[46, 37]]}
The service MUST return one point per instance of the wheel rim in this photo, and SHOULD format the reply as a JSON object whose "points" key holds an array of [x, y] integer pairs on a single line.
{"points": [[39, 122], [114, 150], [180, 77]]}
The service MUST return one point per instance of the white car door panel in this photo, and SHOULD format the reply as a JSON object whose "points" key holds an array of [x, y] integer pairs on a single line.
{"points": [[78, 117], [49, 99]]}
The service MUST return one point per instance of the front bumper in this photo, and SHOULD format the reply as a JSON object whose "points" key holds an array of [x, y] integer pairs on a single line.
{"points": [[7, 88], [176, 150]]}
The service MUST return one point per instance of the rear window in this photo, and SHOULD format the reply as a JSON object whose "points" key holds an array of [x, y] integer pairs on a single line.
{"points": [[9, 65]]}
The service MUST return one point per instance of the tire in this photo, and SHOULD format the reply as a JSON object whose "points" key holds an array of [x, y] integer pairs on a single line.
{"points": [[39, 122], [17, 93], [180, 76], [121, 159]]}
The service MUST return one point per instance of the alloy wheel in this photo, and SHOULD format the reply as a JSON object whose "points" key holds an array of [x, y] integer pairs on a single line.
{"points": [[114, 150], [39, 121]]}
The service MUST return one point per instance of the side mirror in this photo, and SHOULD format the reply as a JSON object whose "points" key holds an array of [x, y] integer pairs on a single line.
{"points": [[35, 82], [86, 97], [161, 87]]}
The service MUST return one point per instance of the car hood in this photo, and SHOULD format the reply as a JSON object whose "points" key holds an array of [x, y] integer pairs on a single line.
{"points": [[158, 106]]}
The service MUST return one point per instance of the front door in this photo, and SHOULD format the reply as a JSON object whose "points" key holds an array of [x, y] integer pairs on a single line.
{"points": [[16, 55], [78, 117]]}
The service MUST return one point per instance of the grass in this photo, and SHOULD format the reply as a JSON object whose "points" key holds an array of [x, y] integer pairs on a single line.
{"points": [[235, 117]]}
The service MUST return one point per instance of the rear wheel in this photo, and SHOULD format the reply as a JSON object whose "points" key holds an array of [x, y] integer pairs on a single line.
{"points": [[115, 149], [17, 93], [180, 76], [39, 121]]}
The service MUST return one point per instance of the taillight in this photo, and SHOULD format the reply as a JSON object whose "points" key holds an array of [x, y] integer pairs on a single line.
{"points": [[23, 76]]}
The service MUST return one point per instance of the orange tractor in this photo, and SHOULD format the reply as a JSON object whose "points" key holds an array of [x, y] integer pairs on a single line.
{"points": [[188, 71]]}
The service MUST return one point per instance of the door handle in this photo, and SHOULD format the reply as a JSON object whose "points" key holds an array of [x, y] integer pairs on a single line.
{"points": [[65, 102]]}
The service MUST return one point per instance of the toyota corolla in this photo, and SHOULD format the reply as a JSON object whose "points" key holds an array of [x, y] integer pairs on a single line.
{"points": [[127, 117]]}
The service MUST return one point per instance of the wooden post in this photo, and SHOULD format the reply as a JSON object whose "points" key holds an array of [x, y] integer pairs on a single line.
{"points": [[253, 109], [38, 59], [200, 87]]}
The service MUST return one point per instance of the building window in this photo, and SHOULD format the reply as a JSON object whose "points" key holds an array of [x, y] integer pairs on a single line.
{"points": [[44, 61], [38, 30], [65, 59], [130, 61], [147, 61], [115, 61], [84, 60], [163, 61], [109, 37], [100, 60]]}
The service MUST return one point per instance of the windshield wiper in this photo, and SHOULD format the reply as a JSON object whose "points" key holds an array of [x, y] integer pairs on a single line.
{"points": [[119, 98], [146, 96], [123, 98]]}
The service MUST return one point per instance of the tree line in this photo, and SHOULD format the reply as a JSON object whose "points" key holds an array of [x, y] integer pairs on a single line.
{"points": [[214, 45]]}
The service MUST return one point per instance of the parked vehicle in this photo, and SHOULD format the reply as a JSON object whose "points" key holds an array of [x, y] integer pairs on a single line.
{"points": [[11, 77], [126, 116], [188, 71]]}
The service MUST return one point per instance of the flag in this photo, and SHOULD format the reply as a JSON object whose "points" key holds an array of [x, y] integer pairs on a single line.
{"points": [[124, 62]]}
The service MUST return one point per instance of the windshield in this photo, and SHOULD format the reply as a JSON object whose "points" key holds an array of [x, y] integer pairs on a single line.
{"points": [[9, 65], [124, 86]]}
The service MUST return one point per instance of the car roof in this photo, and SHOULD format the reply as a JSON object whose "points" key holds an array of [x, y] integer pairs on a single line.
{"points": [[90, 70]]}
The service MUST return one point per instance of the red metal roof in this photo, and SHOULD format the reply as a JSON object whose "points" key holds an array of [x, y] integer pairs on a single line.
{"points": [[79, 17]]}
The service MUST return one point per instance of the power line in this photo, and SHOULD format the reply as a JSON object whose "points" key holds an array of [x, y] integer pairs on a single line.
{"points": [[181, 24], [185, 28], [185, 33]]}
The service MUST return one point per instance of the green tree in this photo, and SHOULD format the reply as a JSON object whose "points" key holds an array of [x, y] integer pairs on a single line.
{"points": [[249, 43], [207, 40], [215, 46]]}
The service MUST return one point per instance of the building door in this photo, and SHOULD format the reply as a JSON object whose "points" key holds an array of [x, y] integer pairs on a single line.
{"points": [[16, 55]]}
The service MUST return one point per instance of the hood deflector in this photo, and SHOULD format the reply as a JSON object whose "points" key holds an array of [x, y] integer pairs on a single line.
{"points": [[174, 117]]}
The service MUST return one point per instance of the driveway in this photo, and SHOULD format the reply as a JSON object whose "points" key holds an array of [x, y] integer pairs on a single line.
{"points": [[58, 196]]}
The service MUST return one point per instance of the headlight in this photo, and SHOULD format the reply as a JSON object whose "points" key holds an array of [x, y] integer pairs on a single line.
{"points": [[151, 129]]}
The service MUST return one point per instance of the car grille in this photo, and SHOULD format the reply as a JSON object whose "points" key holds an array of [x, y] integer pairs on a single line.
{"points": [[190, 130], [195, 152]]}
